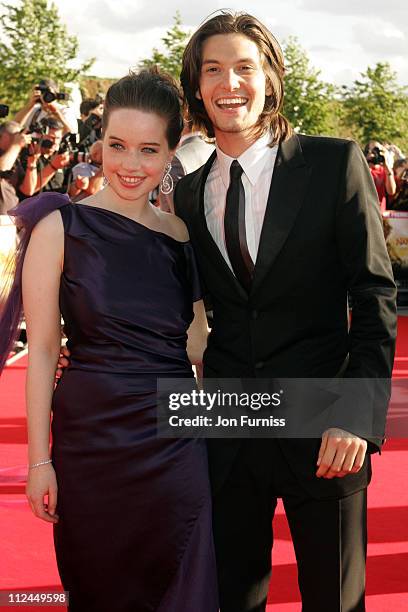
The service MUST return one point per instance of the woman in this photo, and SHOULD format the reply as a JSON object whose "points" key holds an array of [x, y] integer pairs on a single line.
{"points": [[131, 512]]}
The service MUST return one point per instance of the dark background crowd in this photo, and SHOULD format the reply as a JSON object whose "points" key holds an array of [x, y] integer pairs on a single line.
{"points": [[46, 147]]}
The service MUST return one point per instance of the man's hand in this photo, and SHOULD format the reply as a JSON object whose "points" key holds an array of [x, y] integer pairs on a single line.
{"points": [[82, 182], [60, 160], [34, 153], [63, 361], [389, 159], [340, 453], [21, 139], [35, 97]]}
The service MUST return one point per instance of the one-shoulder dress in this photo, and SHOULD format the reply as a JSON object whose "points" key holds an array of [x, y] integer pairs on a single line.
{"points": [[134, 530]]}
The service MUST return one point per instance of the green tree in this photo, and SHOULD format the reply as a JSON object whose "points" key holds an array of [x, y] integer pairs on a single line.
{"points": [[309, 102], [174, 42], [34, 45], [377, 106]]}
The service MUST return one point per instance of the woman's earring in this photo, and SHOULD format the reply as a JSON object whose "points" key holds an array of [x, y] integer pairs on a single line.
{"points": [[105, 181], [166, 185]]}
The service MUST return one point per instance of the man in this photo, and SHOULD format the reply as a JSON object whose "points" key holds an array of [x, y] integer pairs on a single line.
{"points": [[12, 142], [37, 108], [381, 161], [89, 124], [44, 164], [87, 177], [281, 238]]}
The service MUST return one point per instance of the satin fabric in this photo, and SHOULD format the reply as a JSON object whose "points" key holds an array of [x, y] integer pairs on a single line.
{"points": [[134, 533]]}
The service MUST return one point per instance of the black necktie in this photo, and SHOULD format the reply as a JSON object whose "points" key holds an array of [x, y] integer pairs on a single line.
{"points": [[234, 228]]}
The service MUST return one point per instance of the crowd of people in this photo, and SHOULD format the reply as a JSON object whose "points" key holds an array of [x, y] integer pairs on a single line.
{"points": [[45, 147]]}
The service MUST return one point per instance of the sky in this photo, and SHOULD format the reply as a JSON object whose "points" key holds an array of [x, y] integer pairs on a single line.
{"points": [[341, 37]]}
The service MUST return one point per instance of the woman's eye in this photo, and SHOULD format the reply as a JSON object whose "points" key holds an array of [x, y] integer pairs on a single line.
{"points": [[116, 146], [148, 150], [212, 69]]}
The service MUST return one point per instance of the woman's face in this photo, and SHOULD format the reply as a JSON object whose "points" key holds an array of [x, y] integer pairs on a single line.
{"points": [[135, 152]]}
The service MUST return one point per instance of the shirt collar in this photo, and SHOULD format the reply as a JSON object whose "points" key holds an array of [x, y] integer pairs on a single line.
{"points": [[252, 160]]}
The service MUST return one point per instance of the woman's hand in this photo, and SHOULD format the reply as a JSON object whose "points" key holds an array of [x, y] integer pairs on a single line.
{"points": [[42, 481]]}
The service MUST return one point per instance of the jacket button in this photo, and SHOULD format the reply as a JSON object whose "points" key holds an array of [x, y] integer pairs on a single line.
{"points": [[254, 314], [259, 365]]}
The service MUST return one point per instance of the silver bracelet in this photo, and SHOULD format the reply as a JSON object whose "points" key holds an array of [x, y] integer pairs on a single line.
{"points": [[30, 467]]}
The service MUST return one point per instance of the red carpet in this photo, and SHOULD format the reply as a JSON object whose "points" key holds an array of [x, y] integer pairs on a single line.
{"points": [[27, 559]]}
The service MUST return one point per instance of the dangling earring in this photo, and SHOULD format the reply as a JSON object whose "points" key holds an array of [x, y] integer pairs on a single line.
{"points": [[105, 181], [166, 185]]}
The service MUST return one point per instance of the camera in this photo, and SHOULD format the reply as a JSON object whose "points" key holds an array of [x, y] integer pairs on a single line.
{"points": [[49, 96], [375, 156], [91, 130], [70, 143], [4, 111], [38, 131]]}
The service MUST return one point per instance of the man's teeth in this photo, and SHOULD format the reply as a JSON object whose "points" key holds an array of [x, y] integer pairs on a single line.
{"points": [[130, 179], [230, 102]]}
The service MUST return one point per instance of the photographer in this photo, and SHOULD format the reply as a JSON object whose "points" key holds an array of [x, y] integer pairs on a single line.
{"points": [[380, 161], [90, 130], [43, 102], [12, 142], [400, 199], [44, 164], [88, 175], [87, 107]]}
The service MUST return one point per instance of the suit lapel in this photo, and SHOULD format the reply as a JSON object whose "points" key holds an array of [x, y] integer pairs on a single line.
{"points": [[207, 245], [288, 188]]}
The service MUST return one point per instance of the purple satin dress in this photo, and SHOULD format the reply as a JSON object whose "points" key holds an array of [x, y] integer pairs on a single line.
{"points": [[134, 533]]}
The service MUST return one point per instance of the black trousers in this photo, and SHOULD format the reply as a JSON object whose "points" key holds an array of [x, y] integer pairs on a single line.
{"points": [[329, 536]]}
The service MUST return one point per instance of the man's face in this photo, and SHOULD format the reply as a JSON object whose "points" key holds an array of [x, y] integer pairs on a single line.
{"points": [[233, 84], [55, 136]]}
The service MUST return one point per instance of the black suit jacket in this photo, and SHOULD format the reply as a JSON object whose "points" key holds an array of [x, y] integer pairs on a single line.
{"points": [[321, 238]]}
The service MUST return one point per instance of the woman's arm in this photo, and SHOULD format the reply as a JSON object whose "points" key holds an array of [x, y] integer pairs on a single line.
{"points": [[41, 280], [197, 334]]}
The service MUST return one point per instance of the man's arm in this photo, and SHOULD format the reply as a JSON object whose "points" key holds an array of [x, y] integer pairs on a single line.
{"points": [[367, 270], [57, 162], [70, 126], [29, 182], [22, 115], [8, 159]]}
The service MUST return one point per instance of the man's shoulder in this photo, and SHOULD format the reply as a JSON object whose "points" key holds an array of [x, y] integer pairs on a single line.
{"points": [[324, 143], [189, 180], [328, 150], [183, 193]]}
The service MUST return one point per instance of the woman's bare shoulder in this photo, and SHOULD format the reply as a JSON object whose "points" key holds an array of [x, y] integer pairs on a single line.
{"points": [[174, 226], [50, 227]]}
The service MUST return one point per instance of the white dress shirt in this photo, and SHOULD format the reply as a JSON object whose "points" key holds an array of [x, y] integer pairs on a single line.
{"points": [[257, 163]]}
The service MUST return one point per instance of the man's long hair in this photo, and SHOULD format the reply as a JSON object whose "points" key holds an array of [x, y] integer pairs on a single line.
{"points": [[228, 22]]}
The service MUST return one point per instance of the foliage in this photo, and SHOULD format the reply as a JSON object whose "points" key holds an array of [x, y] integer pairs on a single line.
{"points": [[376, 106], [34, 45], [309, 101]]}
